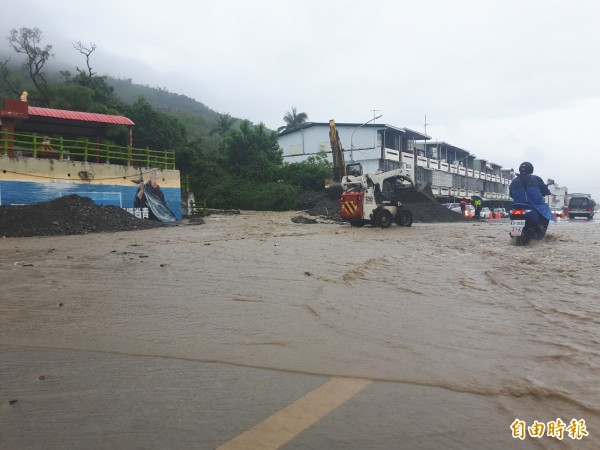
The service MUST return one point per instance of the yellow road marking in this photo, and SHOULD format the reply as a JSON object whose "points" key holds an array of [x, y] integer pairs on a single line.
{"points": [[287, 423]]}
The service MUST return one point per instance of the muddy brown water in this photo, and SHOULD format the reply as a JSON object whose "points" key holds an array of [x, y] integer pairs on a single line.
{"points": [[454, 306]]}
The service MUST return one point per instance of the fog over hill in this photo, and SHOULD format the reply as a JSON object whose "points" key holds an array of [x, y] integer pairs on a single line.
{"points": [[161, 98], [126, 88]]}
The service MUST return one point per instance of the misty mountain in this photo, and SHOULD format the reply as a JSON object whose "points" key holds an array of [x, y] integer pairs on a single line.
{"points": [[197, 118], [161, 99], [127, 91]]}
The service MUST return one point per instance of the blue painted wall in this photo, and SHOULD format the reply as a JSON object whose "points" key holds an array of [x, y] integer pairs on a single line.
{"points": [[25, 193]]}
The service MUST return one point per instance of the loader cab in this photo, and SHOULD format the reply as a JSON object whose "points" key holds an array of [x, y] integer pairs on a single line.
{"points": [[393, 188], [354, 169]]}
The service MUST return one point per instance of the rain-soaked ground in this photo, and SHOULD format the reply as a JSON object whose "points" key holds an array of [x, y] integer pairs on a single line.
{"points": [[186, 337]]}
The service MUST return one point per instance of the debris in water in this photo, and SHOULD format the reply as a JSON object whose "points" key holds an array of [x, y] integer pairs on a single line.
{"points": [[302, 219]]}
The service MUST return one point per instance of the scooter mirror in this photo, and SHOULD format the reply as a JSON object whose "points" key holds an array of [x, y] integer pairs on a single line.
{"points": [[550, 181]]}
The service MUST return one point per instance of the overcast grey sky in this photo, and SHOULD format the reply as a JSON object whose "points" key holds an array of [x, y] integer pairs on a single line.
{"points": [[507, 80]]}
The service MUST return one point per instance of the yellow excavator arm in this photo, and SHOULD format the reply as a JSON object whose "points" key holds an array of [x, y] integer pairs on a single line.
{"points": [[337, 152]]}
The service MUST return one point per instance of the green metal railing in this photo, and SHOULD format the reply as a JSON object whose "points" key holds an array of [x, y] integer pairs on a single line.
{"points": [[185, 183], [38, 146]]}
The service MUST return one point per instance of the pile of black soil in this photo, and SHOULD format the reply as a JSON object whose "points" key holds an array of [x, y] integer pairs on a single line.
{"points": [[423, 210], [324, 207], [432, 212], [68, 215]]}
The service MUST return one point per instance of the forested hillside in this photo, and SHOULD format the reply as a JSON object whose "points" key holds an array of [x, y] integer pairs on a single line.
{"points": [[197, 118], [227, 162], [160, 99]]}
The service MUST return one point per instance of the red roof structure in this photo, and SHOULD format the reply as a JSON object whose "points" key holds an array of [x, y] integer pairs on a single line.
{"points": [[71, 123], [36, 111], [19, 116]]}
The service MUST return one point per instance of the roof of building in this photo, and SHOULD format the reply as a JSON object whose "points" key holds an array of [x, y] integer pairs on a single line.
{"points": [[69, 123], [447, 146], [79, 116], [410, 134]]}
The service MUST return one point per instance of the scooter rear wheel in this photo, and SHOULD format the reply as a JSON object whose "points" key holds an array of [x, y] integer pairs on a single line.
{"points": [[527, 235]]}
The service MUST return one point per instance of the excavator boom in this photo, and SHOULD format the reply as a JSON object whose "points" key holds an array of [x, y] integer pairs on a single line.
{"points": [[337, 152]]}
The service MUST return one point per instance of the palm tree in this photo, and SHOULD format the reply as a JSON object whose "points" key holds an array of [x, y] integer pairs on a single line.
{"points": [[293, 119], [222, 125]]}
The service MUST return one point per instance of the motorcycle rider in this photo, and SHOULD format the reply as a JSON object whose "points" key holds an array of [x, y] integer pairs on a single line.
{"points": [[531, 189]]}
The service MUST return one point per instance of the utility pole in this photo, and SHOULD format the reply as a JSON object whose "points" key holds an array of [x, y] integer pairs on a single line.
{"points": [[352, 135], [375, 111]]}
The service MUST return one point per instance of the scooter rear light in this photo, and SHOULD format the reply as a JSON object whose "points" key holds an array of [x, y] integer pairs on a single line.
{"points": [[519, 212]]}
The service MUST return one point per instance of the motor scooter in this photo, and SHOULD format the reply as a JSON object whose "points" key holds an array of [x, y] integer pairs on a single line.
{"points": [[526, 223]]}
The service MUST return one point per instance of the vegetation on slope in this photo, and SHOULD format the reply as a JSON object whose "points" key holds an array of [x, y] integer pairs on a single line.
{"points": [[228, 162]]}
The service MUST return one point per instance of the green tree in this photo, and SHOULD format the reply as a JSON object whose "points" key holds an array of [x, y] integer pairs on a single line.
{"points": [[222, 125], [208, 174], [293, 120], [75, 98], [253, 152], [154, 129], [102, 93], [307, 175]]}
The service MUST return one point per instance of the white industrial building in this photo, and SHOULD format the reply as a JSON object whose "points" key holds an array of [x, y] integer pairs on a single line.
{"points": [[453, 172]]}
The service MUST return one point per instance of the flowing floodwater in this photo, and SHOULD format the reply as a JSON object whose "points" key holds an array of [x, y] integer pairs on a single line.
{"points": [[456, 307]]}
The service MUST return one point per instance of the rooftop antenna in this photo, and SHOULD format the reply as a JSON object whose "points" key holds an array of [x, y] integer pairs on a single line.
{"points": [[425, 139]]}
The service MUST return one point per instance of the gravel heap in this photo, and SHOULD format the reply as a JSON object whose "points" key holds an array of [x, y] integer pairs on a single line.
{"points": [[71, 214], [422, 209]]}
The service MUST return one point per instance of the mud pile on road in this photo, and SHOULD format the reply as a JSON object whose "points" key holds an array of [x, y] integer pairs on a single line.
{"points": [[67, 215], [423, 209], [80, 215], [323, 207], [430, 212]]}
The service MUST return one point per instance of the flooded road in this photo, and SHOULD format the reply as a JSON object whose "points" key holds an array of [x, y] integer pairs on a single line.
{"points": [[459, 331]]}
